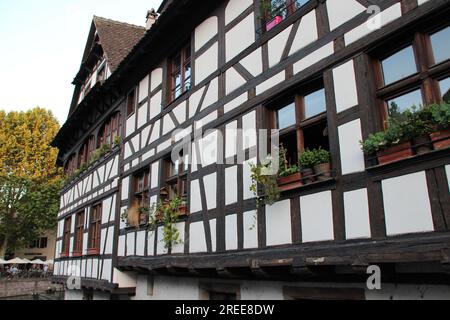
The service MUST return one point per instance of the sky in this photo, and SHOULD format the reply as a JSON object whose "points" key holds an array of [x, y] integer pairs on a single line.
{"points": [[42, 43]]}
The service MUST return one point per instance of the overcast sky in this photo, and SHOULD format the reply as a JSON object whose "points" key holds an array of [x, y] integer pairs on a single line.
{"points": [[41, 46]]}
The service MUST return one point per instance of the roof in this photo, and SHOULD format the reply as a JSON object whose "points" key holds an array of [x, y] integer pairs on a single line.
{"points": [[117, 39]]}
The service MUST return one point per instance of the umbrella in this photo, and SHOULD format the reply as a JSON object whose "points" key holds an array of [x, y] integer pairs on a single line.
{"points": [[48, 262], [16, 261], [37, 261], [2, 261], [26, 261]]}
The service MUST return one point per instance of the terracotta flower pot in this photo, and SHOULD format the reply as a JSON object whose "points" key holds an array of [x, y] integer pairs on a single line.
{"points": [[395, 153], [308, 175], [291, 182], [183, 211], [422, 144], [323, 171], [441, 139]]}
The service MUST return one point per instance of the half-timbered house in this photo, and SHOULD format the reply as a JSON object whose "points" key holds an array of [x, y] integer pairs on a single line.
{"points": [[324, 73]]}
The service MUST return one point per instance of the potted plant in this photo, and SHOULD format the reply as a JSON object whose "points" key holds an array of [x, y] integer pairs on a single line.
{"points": [[390, 145], [416, 125], [322, 167], [440, 115], [289, 176], [144, 213], [307, 161]]}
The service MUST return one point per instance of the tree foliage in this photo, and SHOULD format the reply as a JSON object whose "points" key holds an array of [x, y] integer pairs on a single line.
{"points": [[29, 178]]}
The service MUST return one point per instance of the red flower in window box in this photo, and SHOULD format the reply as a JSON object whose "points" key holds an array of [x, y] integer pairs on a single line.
{"points": [[395, 153], [290, 182], [93, 252], [64, 255], [441, 139], [273, 23]]}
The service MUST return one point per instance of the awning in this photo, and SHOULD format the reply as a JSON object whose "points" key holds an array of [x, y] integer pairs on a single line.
{"points": [[16, 261], [37, 261]]}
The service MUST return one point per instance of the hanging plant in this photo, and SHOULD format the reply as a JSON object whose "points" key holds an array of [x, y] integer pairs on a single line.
{"points": [[261, 175], [167, 213]]}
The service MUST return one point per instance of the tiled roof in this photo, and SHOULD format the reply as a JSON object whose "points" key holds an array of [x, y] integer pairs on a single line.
{"points": [[117, 39]]}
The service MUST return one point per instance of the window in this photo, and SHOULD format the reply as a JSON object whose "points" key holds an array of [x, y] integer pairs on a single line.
{"points": [[131, 102], [95, 229], [406, 78], [79, 233], [86, 89], [86, 151], [180, 73], [101, 74], [40, 243], [71, 165], [276, 11], [66, 236], [441, 45], [141, 189], [109, 131], [175, 177], [444, 86], [302, 121], [399, 65]]}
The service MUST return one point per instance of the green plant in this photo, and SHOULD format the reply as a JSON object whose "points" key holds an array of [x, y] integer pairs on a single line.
{"points": [[272, 8], [117, 141], [167, 213], [322, 156], [307, 159], [374, 143], [261, 174], [285, 168], [440, 115]]}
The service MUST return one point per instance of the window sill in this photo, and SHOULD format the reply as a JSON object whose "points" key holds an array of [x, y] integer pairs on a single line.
{"points": [[93, 252], [76, 254], [64, 255]]}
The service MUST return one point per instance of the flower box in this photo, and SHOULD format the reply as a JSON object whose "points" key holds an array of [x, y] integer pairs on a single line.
{"points": [[273, 23], [291, 182], [395, 153], [77, 254], [441, 139]]}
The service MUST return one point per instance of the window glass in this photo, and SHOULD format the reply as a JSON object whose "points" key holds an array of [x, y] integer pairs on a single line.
{"points": [[286, 116], [399, 65], [440, 42], [315, 104], [445, 89], [404, 102]]}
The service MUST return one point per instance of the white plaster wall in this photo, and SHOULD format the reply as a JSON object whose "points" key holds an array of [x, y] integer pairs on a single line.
{"points": [[207, 63], [73, 295], [317, 217], [231, 139], [409, 292], [143, 89], [155, 105], [231, 237], [171, 288], [197, 239], [205, 32], [212, 95], [249, 130], [213, 226], [196, 200], [250, 230], [156, 78], [270, 83], [140, 243], [131, 250], [233, 104], [278, 223], [247, 179], [240, 37], [233, 80], [107, 265], [306, 33], [447, 170], [142, 115], [210, 182], [345, 86], [121, 250], [160, 247], [276, 46], [341, 11], [179, 248], [407, 205], [131, 125], [352, 157], [357, 220], [231, 185], [313, 58], [235, 8], [253, 62]]}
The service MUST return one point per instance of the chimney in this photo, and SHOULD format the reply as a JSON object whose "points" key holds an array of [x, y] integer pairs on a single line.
{"points": [[152, 16]]}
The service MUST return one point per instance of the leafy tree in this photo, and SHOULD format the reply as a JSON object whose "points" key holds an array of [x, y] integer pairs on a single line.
{"points": [[29, 179]]}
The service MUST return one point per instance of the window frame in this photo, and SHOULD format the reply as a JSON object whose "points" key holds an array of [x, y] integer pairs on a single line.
{"points": [[427, 77], [110, 129], [141, 195], [95, 225], [79, 234], [66, 237], [171, 72], [178, 179], [131, 100], [86, 150], [301, 122]]}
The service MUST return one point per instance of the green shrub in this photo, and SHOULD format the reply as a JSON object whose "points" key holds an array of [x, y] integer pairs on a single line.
{"points": [[322, 156], [440, 115]]}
